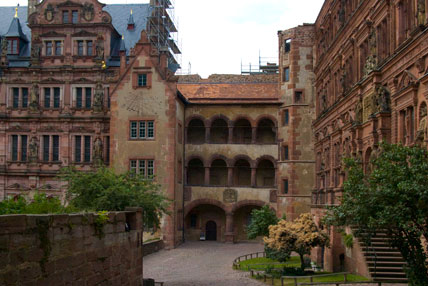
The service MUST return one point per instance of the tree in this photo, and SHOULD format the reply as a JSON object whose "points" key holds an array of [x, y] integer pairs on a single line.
{"points": [[260, 221], [300, 236], [39, 204], [392, 197], [104, 190]]}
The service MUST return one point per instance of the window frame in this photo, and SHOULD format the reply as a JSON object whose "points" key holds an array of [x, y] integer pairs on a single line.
{"points": [[19, 100], [138, 126], [135, 167]]}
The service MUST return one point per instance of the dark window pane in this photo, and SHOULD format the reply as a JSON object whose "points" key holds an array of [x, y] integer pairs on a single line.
{"points": [[87, 148], [287, 45], [56, 97], [285, 152], [74, 15], [15, 47], [285, 183], [47, 97], [80, 48], [286, 117], [9, 46], [24, 97], [14, 147], [286, 74], [79, 97], [107, 150], [55, 148], [46, 148], [58, 50], [298, 96], [89, 48], [142, 80], [88, 96], [108, 97], [65, 17], [78, 149], [133, 130], [23, 147], [193, 220], [49, 48], [15, 97]]}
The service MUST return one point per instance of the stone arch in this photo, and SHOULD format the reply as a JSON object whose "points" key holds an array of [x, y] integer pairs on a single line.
{"points": [[266, 116], [216, 157], [243, 157], [239, 117], [367, 158], [199, 202], [218, 116], [196, 116], [243, 130], [266, 131], [242, 171], [195, 130], [265, 157], [243, 203], [195, 172], [219, 129], [191, 157], [265, 172], [219, 172]]}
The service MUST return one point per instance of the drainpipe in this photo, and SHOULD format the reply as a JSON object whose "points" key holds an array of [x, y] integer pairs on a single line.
{"points": [[183, 160]]}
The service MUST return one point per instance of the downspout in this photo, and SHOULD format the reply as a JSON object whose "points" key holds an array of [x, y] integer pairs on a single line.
{"points": [[183, 138]]}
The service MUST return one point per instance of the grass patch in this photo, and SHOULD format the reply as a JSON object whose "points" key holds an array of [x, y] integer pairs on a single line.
{"points": [[334, 278], [294, 261]]}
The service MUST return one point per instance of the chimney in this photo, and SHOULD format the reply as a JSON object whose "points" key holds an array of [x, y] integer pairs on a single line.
{"points": [[122, 54], [32, 7]]}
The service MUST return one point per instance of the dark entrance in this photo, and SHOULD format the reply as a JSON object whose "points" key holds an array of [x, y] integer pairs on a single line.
{"points": [[211, 230]]}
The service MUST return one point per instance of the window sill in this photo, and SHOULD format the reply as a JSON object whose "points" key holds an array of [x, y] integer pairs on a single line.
{"points": [[141, 139], [142, 87]]}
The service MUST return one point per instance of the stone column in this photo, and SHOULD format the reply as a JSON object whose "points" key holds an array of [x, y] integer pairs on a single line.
{"points": [[207, 134], [229, 235], [207, 176], [230, 176], [230, 138], [254, 135], [253, 177]]}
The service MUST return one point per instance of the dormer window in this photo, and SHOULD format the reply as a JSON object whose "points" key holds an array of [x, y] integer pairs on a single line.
{"points": [[74, 16], [13, 46], [65, 17]]}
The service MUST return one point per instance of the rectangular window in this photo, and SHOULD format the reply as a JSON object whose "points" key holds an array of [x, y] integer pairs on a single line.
{"points": [[89, 48], [47, 97], [285, 153], [79, 100], [55, 148], [56, 97], [286, 117], [107, 150], [150, 129], [87, 154], [49, 48], [23, 147], [46, 148], [298, 96], [142, 129], [15, 99], [287, 45], [58, 49], [286, 75], [142, 167], [142, 80], [88, 97], [285, 186], [150, 168], [133, 130], [78, 149], [74, 16], [14, 147], [145, 168], [65, 19], [24, 97], [108, 97], [80, 48], [133, 166]]}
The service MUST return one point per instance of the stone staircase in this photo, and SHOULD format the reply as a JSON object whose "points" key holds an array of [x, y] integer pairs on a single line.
{"points": [[384, 263]]}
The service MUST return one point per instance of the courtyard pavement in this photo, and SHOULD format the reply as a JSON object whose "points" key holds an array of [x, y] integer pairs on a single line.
{"points": [[201, 263]]}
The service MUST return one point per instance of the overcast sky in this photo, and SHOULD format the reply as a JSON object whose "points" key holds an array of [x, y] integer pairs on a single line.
{"points": [[216, 36]]}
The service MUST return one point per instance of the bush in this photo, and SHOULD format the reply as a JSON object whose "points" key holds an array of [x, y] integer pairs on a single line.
{"points": [[39, 204], [294, 271], [278, 255]]}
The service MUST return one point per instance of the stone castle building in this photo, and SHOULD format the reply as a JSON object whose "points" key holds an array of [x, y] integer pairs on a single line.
{"points": [[84, 84]]}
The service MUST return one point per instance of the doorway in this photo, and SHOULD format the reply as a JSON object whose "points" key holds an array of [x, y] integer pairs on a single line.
{"points": [[211, 230]]}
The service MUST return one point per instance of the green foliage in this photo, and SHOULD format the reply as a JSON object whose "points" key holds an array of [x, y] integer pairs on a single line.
{"points": [[276, 254], [106, 190], [100, 220], [348, 240], [39, 204], [260, 221], [393, 197]]}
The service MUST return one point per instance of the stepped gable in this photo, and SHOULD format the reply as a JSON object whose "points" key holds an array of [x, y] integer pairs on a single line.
{"points": [[226, 88]]}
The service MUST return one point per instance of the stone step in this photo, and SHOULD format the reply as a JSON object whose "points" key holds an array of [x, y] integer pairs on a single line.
{"points": [[393, 259], [388, 274], [386, 263], [388, 280], [388, 269]]}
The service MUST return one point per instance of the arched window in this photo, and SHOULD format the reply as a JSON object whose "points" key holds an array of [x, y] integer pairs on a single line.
{"points": [[266, 132], [242, 173], [265, 174], [218, 173], [219, 131], [242, 132], [196, 132], [195, 172]]}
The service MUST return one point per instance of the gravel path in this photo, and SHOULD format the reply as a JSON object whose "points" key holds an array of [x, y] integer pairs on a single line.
{"points": [[203, 263]]}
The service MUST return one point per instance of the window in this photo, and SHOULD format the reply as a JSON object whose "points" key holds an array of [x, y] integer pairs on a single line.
{"points": [[88, 97], [19, 97], [145, 168], [24, 97], [47, 97], [58, 48], [74, 17], [15, 103], [287, 45], [285, 155], [12, 47], [19, 147], [193, 220], [298, 97], [87, 153], [286, 74], [48, 48], [78, 149], [142, 80], [55, 148], [56, 97], [65, 19], [14, 147], [79, 100], [286, 117], [285, 186], [46, 148], [24, 147], [80, 48], [89, 48], [142, 129]]}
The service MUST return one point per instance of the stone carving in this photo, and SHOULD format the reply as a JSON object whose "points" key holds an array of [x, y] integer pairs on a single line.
{"points": [[323, 102], [422, 133], [421, 12], [33, 150], [4, 46], [343, 80], [368, 107], [371, 61], [99, 48], [420, 65], [35, 51], [98, 97], [273, 196], [98, 150], [34, 98], [381, 100], [88, 11], [49, 13], [230, 196], [358, 112]]}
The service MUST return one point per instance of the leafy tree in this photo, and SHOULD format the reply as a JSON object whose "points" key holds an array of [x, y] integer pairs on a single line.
{"points": [[393, 197], [103, 189], [300, 236], [39, 204], [261, 219]]}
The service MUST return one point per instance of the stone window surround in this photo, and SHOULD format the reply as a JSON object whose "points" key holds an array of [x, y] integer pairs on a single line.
{"points": [[19, 146], [82, 148], [139, 71], [146, 159], [74, 95], [74, 46], [53, 40], [42, 96], [9, 95], [139, 119], [41, 147]]}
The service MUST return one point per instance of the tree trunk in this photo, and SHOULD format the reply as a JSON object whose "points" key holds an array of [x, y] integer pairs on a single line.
{"points": [[302, 262]]}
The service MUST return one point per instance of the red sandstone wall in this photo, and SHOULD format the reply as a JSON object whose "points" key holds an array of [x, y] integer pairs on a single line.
{"points": [[66, 250]]}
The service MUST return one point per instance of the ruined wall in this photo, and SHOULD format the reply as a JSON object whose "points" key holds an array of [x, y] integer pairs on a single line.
{"points": [[71, 249]]}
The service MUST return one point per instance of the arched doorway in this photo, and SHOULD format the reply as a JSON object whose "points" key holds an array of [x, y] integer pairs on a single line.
{"points": [[211, 231]]}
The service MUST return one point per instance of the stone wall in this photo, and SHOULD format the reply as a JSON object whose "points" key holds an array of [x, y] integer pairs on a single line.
{"points": [[71, 249], [152, 247]]}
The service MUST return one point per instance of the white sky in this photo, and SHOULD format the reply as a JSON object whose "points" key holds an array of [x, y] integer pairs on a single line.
{"points": [[216, 36]]}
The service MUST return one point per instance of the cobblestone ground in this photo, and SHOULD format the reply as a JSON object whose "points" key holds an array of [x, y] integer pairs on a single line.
{"points": [[202, 263]]}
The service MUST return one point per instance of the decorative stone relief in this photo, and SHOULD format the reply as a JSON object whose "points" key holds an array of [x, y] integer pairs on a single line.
{"points": [[421, 12], [368, 108], [98, 97], [33, 150], [381, 100], [273, 197], [34, 97], [98, 151], [88, 11], [49, 13], [230, 196], [358, 112]]}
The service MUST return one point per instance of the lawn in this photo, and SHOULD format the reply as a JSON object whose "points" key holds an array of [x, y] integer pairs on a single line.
{"points": [[294, 261], [334, 278]]}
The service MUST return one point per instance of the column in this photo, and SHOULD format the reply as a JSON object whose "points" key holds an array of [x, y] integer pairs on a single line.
{"points": [[230, 138], [230, 176], [207, 134], [253, 135], [253, 177], [207, 176], [229, 235]]}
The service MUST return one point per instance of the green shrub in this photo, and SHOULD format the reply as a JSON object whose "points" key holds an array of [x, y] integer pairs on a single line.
{"points": [[39, 204]]}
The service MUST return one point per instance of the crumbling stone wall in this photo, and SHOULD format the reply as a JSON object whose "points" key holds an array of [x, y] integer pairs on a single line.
{"points": [[73, 249]]}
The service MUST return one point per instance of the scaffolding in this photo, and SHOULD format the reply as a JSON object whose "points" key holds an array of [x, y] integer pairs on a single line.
{"points": [[265, 65], [162, 31]]}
